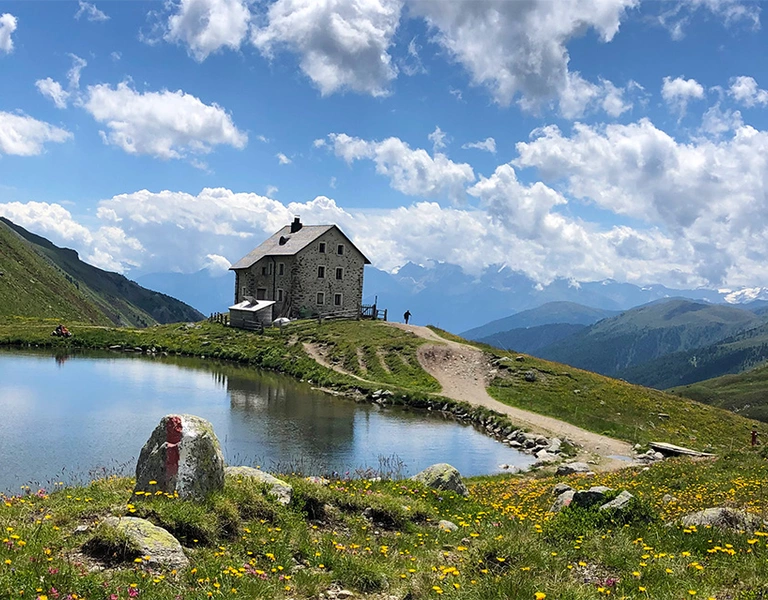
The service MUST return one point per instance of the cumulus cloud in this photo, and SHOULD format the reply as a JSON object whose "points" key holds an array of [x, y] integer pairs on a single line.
{"points": [[53, 90], [341, 45], [745, 91], [438, 137], [162, 124], [205, 26], [8, 24], [678, 92], [488, 144], [283, 159], [217, 264], [676, 16], [412, 172], [519, 48], [90, 12], [709, 195], [22, 135]]}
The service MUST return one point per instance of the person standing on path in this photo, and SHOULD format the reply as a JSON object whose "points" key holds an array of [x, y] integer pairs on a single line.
{"points": [[406, 316]]}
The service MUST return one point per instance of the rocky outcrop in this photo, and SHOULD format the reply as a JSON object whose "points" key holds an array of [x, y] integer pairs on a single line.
{"points": [[182, 456], [278, 488], [574, 467], [157, 546], [444, 477], [723, 518], [594, 496], [620, 502]]}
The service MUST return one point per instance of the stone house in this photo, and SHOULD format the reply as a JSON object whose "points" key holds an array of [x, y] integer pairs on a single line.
{"points": [[307, 270]]}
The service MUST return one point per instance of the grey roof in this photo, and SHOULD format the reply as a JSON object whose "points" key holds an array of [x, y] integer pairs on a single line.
{"points": [[295, 242], [252, 306]]}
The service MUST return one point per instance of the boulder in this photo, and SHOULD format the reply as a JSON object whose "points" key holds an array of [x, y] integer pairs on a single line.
{"points": [[442, 476], [154, 542], [591, 497], [562, 501], [724, 518], [182, 456], [545, 457], [619, 502], [574, 467], [555, 445], [277, 487], [560, 488], [447, 525]]}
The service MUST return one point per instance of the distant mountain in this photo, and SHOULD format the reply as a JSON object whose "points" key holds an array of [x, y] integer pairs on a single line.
{"points": [[208, 293], [546, 314], [745, 393], [42, 280], [531, 340], [734, 354], [614, 345]]}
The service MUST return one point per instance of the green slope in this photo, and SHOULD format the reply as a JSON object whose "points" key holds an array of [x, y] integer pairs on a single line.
{"points": [[531, 339], [648, 332], [745, 393], [44, 280]]}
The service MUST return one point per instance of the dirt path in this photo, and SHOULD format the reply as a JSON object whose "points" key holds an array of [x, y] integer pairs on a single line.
{"points": [[464, 372]]}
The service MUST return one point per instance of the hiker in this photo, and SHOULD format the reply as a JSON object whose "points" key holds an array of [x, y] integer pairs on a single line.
{"points": [[754, 436], [406, 316]]}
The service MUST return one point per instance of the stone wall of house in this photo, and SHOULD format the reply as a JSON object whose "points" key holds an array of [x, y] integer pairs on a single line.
{"points": [[307, 285], [300, 282]]}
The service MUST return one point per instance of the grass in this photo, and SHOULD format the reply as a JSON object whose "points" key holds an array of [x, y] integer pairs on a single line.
{"points": [[380, 540]]}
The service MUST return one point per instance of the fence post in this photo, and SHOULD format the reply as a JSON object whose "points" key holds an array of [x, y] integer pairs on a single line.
{"points": [[385, 314]]}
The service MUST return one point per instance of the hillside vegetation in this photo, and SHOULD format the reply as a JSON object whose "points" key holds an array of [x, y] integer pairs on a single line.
{"points": [[612, 346], [42, 280], [531, 340]]}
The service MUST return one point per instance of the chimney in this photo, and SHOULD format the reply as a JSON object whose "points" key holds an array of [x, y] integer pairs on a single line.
{"points": [[296, 225]]}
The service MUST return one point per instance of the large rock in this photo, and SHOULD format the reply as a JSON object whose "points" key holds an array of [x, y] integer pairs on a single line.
{"points": [[620, 502], [591, 497], [574, 467], [724, 518], [154, 542], [277, 487], [181, 456], [562, 501], [442, 476]]}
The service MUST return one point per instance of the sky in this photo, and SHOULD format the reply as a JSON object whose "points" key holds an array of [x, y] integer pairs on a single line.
{"points": [[579, 139]]}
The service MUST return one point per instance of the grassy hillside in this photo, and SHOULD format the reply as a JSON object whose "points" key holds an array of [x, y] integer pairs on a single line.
{"points": [[102, 296], [614, 345], [734, 354], [745, 393], [30, 286], [546, 314], [385, 356]]}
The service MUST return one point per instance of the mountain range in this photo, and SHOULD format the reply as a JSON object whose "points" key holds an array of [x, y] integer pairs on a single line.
{"points": [[39, 279]]}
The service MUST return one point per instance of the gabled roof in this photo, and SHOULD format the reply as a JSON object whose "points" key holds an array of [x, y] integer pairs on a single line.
{"points": [[292, 244]]}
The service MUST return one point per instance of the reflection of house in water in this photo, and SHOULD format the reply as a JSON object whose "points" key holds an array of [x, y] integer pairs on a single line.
{"points": [[290, 418]]}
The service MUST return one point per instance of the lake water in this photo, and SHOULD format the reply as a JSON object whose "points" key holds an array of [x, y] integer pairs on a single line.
{"points": [[69, 417]]}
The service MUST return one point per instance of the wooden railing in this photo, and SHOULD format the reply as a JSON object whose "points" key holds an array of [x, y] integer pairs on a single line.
{"points": [[371, 311], [222, 318]]}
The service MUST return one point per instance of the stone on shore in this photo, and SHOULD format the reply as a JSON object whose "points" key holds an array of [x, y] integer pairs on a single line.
{"points": [[442, 476], [154, 542], [278, 488], [182, 456], [574, 467]]}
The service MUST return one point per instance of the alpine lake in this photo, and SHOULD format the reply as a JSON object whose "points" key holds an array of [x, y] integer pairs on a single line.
{"points": [[70, 418]]}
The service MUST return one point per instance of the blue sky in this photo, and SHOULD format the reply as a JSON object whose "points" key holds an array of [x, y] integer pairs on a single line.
{"points": [[585, 139]]}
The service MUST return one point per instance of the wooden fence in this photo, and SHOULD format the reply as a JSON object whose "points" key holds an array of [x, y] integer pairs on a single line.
{"points": [[222, 318]]}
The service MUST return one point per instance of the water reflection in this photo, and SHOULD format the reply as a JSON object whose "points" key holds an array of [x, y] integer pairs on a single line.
{"points": [[78, 412]]}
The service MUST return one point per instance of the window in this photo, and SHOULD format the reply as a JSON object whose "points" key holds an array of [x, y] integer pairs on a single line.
{"points": [[339, 273], [281, 268], [337, 299], [320, 298], [321, 272], [244, 291], [321, 248], [340, 249], [279, 295], [266, 269], [261, 293]]}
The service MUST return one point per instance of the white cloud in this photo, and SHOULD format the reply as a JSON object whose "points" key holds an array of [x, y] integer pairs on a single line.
{"points": [[342, 45], [283, 159], [745, 90], [73, 75], [162, 124], [678, 92], [90, 12], [24, 136], [709, 196], [8, 24], [437, 137], [519, 48], [206, 26], [717, 122], [412, 172], [217, 264], [677, 18], [318, 143], [53, 90], [272, 190], [411, 65], [488, 144]]}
